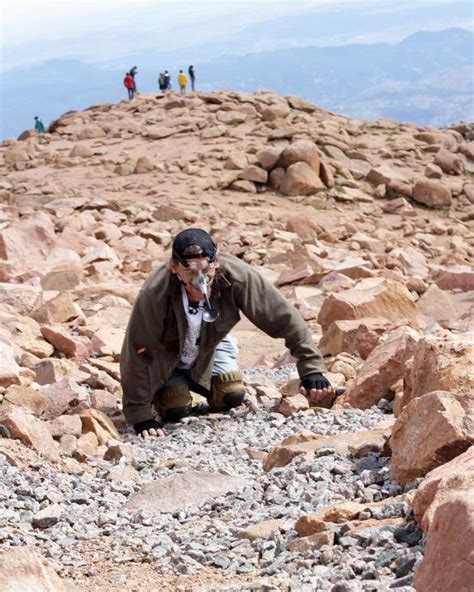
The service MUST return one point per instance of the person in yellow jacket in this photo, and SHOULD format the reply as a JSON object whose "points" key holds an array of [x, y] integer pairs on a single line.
{"points": [[182, 82]]}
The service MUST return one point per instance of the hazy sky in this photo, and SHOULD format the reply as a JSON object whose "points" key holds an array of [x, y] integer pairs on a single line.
{"points": [[33, 20], [104, 31]]}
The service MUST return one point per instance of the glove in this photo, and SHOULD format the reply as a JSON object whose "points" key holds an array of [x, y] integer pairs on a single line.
{"points": [[315, 381], [148, 424]]}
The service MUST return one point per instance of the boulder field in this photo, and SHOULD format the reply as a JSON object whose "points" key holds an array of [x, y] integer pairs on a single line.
{"points": [[367, 227]]}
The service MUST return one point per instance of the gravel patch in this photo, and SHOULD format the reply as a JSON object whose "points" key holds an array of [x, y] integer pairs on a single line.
{"points": [[62, 514]]}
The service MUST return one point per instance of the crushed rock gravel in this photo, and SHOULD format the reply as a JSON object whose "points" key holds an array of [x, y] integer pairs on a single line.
{"points": [[63, 515]]}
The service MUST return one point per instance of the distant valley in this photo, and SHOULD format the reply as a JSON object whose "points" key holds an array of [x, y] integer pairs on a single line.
{"points": [[426, 79]]}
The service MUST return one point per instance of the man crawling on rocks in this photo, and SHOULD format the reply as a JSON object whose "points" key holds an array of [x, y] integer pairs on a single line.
{"points": [[178, 338]]}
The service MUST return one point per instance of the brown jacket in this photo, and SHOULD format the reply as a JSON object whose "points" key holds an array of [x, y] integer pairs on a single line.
{"points": [[157, 326]]}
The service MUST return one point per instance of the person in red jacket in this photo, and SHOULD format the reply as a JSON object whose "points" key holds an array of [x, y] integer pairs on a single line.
{"points": [[129, 84]]}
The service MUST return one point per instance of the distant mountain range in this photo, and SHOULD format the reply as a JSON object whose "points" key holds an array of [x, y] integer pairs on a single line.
{"points": [[426, 79]]}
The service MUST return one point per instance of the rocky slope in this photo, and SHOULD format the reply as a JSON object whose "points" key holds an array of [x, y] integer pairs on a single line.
{"points": [[366, 227]]}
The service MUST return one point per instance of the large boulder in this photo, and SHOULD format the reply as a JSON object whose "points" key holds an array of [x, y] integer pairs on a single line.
{"points": [[59, 309], [273, 112], [385, 175], [143, 165], [28, 398], [300, 104], [98, 423], [372, 297], [467, 148], [384, 366], [29, 241], [433, 194], [254, 173], [300, 151], [300, 179], [158, 132], [22, 298], [413, 261], [236, 161], [215, 131], [431, 430], [268, 157], [51, 370], [441, 364], [448, 162], [231, 117], [63, 396], [16, 158], [90, 131], [25, 332], [9, 369], [61, 337], [108, 341], [459, 277], [437, 305], [22, 570], [70, 425], [345, 336], [448, 562], [452, 477], [29, 430], [82, 151]]}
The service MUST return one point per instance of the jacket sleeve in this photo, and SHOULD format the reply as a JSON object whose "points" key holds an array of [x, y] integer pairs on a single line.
{"points": [[271, 312], [141, 338]]}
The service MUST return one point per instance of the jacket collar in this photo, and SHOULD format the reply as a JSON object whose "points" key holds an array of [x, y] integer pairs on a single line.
{"points": [[220, 282]]}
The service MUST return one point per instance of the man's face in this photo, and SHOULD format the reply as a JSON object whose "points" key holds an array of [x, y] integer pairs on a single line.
{"points": [[189, 275]]}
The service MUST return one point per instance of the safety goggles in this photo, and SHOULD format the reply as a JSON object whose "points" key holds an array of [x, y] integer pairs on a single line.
{"points": [[195, 266]]}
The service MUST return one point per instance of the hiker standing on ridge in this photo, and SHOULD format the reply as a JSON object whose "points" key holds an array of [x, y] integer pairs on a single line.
{"points": [[161, 82], [133, 73], [129, 85], [192, 76], [178, 341], [167, 80], [39, 125], [182, 82]]}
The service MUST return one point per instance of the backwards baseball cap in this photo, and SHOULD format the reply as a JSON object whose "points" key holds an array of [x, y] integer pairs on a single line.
{"points": [[193, 243]]}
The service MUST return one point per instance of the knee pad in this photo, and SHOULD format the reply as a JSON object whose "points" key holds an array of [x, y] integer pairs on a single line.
{"points": [[227, 390], [174, 399]]}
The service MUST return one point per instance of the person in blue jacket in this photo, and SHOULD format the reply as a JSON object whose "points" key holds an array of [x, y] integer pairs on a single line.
{"points": [[39, 125]]}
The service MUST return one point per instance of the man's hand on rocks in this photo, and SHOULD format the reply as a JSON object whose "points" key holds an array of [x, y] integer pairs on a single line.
{"points": [[149, 427], [315, 387]]}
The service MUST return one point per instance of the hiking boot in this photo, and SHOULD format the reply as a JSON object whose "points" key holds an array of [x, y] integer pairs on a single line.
{"points": [[227, 390]]}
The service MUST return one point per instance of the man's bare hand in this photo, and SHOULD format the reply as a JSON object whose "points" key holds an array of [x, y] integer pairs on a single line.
{"points": [[316, 396], [150, 428], [315, 387], [153, 433]]}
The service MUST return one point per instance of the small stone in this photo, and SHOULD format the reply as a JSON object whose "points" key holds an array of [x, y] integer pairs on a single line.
{"points": [[48, 517], [309, 543], [221, 562]]}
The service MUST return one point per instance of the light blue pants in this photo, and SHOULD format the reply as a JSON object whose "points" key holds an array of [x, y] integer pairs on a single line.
{"points": [[225, 360]]}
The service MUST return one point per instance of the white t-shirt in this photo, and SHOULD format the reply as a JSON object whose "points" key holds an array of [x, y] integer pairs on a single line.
{"points": [[193, 332]]}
